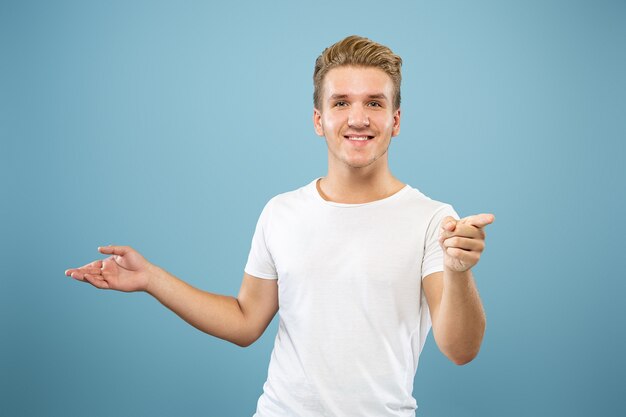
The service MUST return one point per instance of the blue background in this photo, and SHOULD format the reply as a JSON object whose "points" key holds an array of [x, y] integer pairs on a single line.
{"points": [[168, 125]]}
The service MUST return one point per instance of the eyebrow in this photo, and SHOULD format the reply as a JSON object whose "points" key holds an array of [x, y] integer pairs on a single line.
{"points": [[371, 96]]}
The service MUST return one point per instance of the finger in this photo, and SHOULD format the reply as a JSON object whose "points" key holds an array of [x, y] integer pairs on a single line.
{"points": [[464, 230], [467, 257], [95, 264], [91, 265], [69, 272], [96, 281], [464, 243], [114, 250], [448, 223], [79, 273], [479, 220], [108, 264]]}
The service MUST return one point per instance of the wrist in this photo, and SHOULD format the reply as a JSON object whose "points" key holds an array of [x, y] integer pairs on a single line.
{"points": [[153, 275], [457, 276]]}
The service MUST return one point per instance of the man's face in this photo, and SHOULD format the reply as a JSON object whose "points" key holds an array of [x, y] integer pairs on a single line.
{"points": [[357, 116]]}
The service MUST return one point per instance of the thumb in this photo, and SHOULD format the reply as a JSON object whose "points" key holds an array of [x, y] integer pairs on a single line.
{"points": [[114, 250], [117, 252], [448, 223]]}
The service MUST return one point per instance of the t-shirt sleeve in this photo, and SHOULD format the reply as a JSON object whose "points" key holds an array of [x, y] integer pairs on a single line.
{"points": [[260, 262], [433, 254]]}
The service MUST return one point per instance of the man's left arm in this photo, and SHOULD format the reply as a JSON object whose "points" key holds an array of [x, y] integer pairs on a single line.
{"points": [[456, 310]]}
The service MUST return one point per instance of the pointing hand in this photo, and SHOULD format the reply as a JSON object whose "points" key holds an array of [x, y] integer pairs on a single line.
{"points": [[463, 240]]}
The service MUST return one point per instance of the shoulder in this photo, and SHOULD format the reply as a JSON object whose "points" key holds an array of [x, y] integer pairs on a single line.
{"points": [[289, 200], [429, 207]]}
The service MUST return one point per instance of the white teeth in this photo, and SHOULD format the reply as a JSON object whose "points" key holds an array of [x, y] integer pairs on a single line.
{"points": [[359, 138]]}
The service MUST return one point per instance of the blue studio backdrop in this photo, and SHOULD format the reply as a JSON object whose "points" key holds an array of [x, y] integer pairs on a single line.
{"points": [[167, 125]]}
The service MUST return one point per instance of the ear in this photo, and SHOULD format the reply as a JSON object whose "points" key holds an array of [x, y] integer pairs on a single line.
{"points": [[317, 122], [396, 123]]}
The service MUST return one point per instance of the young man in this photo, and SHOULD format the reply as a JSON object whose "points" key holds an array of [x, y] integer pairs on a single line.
{"points": [[359, 264]]}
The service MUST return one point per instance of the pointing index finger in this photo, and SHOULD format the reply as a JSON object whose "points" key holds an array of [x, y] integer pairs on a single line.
{"points": [[480, 220]]}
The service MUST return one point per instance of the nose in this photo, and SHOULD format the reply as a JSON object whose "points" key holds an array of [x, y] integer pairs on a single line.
{"points": [[358, 117]]}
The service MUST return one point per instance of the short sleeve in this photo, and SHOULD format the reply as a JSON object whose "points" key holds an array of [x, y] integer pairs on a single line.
{"points": [[433, 254], [260, 262]]}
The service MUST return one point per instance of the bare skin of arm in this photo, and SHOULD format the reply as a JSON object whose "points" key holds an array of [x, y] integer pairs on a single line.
{"points": [[240, 320], [456, 311], [457, 314]]}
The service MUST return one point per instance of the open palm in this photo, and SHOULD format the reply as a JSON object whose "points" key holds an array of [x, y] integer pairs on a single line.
{"points": [[125, 270]]}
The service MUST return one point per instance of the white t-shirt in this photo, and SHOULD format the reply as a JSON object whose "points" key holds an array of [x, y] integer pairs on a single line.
{"points": [[353, 317]]}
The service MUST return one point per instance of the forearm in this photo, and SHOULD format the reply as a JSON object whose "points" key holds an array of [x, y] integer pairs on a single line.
{"points": [[217, 315], [461, 318]]}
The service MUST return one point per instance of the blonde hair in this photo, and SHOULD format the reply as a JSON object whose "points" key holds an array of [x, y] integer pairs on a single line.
{"points": [[357, 51]]}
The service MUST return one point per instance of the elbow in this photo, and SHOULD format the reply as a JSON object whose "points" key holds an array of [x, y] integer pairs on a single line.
{"points": [[462, 352], [460, 355], [243, 344], [244, 336], [245, 341], [464, 356], [461, 360]]}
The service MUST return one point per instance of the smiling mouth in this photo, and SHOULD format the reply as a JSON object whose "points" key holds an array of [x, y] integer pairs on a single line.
{"points": [[359, 138]]}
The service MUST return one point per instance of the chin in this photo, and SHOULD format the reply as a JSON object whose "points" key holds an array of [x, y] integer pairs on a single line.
{"points": [[359, 164]]}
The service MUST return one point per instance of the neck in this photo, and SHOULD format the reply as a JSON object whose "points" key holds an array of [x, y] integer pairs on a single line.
{"points": [[358, 185]]}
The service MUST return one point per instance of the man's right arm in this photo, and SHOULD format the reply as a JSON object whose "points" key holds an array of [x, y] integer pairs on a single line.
{"points": [[240, 320]]}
